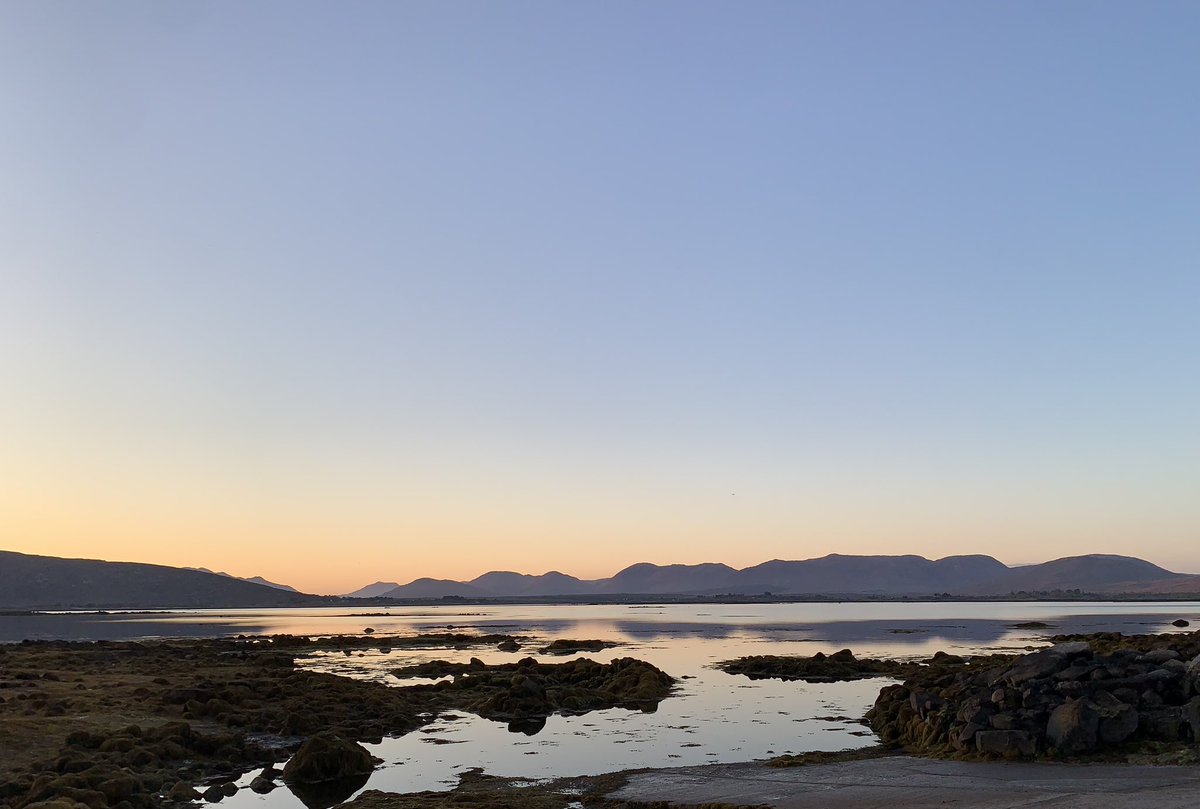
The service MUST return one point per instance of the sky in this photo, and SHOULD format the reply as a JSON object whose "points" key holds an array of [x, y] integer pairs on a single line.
{"points": [[333, 293]]}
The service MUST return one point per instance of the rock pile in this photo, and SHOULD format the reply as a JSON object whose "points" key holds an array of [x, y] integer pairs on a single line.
{"points": [[1077, 697]]}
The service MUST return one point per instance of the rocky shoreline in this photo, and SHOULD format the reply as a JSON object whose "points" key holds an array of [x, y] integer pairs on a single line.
{"points": [[1085, 697], [127, 725]]}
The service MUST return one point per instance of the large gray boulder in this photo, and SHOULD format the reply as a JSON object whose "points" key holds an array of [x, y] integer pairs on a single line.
{"points": [[1073, 727], [1045, 663], [1008, 743], [1118, 720], [1191, 715]]}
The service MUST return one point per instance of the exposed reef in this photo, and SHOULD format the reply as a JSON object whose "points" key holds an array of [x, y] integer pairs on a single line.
{"points": [[526, 692], [567, 646], [133, 725], [822, 668]]}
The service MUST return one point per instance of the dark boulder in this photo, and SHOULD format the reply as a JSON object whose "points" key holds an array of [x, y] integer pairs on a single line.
{"points": [[1160, 655], [1008, 743], [1191, 715], [1118, 720], [328, 757], [1073, 727], [261, 785], [1162, 724], [1044, 663]]}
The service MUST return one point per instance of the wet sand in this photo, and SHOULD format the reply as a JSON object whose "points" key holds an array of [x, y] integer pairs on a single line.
{"points": [[903, 782]]}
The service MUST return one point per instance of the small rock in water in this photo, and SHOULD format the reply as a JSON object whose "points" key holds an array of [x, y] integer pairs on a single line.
{"points": [[368, 631], [1180, 622]]}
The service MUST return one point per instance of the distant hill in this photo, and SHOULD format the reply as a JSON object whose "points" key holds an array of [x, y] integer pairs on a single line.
{"points": [[436, 588], [1097, 573], [523, 584], [253, 579], [374, 590], [265, 583], [832, 575], [48, 582], [867, 575], [667, 579]]}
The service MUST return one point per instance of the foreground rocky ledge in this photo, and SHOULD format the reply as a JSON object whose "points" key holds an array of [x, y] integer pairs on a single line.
{"points": [[126, 725]]}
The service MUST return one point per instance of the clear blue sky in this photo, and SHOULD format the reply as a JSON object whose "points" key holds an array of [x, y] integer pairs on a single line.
{"points": [[336, 292]]}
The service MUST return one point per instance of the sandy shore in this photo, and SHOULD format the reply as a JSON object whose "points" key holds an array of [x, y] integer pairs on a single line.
{"points": [[905, 782]]}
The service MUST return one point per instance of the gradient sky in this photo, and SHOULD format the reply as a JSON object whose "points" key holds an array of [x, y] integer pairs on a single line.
{"points": [[338, 292]]}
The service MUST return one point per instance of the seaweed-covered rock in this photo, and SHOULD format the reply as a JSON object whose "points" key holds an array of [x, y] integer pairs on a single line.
{"points": [[820, 668], [568, 646], [527, 689], [328, 757]]}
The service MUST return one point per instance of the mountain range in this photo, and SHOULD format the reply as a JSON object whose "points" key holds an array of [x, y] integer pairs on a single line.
{"points": [[46, 582], [832, 575]]}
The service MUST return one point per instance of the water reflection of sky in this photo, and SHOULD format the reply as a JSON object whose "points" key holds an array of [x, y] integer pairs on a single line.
{"points": [[713, 717]]}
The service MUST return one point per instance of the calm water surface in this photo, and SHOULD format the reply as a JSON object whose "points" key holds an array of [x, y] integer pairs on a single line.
{"points": [[712, 717]]}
